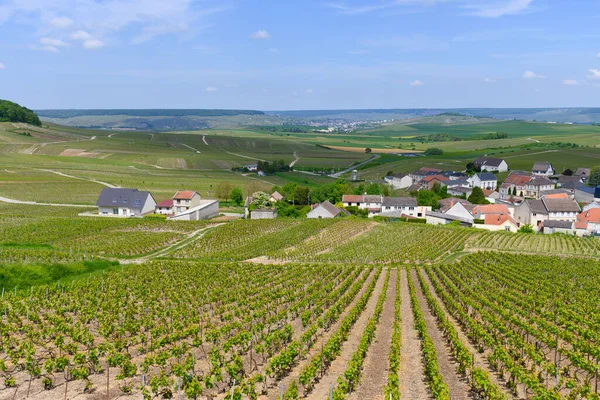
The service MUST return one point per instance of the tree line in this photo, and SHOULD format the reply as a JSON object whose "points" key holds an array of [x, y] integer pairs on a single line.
{"points": [[13, 112]]}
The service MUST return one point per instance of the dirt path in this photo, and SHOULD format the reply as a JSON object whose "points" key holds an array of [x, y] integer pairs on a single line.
{"points": [[412, 377], [376, 366], [324, 336], [33, 203], [204, 140], [189, 238], [190, 147], [338, 174], [80, 178], [296, 159], [458, 386], [241, 155], [339, 365], [479, 359]]}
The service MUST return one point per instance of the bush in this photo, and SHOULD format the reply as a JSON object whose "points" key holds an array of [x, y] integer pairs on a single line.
{"points": [[527, 228], [155, 216]]}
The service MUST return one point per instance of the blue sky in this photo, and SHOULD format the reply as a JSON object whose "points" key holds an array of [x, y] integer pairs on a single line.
{"points": [[300, 54]]}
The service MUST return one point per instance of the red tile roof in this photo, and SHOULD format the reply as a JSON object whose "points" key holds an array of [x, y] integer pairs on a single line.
{"points": [[491, 209], [165, 204], [557, 196], [498, 219], [184, 195], [352, 198], [592, 215], [440, 178]]}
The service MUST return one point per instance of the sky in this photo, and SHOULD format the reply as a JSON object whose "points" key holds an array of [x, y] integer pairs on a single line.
{"points": [[300, 54]]}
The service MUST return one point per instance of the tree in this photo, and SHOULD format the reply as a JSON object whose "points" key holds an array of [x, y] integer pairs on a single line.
{"points": [[260, 200], [514, 191], [373, 188], [301, 194], [368, 150], [594, 176], [237, 196], [526, 229], [568, 172], [223, 190], [477, 196], [428, 198], [12, 112], [434, 151]]}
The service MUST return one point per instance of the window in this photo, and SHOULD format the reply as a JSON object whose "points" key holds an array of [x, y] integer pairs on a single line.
{"points": [[136, 203], [411, 208], [125, 201], [115, 211], [187, 202], [507, 228], [115, 200]]}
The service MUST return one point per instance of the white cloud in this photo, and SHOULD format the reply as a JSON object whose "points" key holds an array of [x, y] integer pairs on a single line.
{"points": [[489, 80], [572, 82], [357, 10], [594, 73], [532, 75], [81, 35], [61, 22], [497, 8], [2, 66], [122, 19], [416, 83], [261, 34], [598, 55], [49, 49], [53, 42], [309, 91], [92, 44], [212, 89]]}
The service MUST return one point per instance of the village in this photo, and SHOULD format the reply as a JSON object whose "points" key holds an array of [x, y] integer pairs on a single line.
{"points": [[540, 200]]}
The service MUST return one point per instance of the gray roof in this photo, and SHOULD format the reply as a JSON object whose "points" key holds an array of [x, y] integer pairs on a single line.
{"points": [[558, 224], [582, 171], [561, 205], [566, 178], [541, 166], [536, 206], [448, 217], [460, 189], [331, 209], [487, 176], [457, 182], [399, 202], [586, 189], [539, 181], [120, 197], [492, 162], [398, 175]]}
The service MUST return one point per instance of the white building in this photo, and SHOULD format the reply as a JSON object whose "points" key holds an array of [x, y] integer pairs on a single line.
{"points": [[399, 181], [484, 180], [543, 169], [120, 202], [491, 164], [325, 210]]}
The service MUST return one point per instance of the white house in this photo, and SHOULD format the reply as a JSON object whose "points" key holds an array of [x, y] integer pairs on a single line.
{"points": [[551, 207], [398, 206], [484, 180], [165, 207], [551, 226], [491, 164], [498, 222], [536, 185], [461, 210], [399, 181], [275, 197], [326, 210], [205, 209], [125, 202], [543, 169]]}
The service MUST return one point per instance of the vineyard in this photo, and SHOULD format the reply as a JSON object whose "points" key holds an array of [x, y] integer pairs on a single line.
{"points": [[292, 309]]}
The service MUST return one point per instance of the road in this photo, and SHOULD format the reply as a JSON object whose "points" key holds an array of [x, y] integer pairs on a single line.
{"points": [[338, 174], [296, 159]]}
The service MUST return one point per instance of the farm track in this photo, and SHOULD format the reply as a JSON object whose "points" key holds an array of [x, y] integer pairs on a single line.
{"points": [[457, 384], [412, 376], [376, 367], [273, 393], [80, 178], [339, 365], [479, 359], [338, 174], [33, 203]]}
